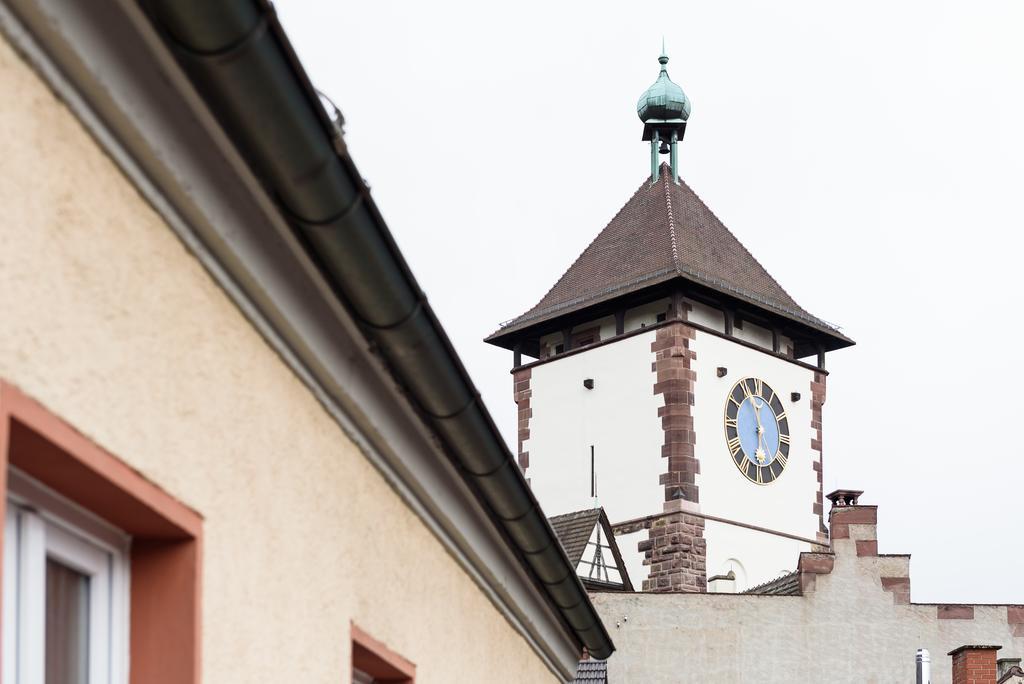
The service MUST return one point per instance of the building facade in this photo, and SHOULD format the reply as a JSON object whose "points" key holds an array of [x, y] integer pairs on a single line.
{"points": [[844, 616], [215, 466]]}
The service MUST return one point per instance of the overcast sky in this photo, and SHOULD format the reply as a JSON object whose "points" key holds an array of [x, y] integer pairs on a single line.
{"points": [[870, 155]]}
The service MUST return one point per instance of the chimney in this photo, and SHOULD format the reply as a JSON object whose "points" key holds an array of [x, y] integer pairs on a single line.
{"points": [[974, 664], [844, 497]]}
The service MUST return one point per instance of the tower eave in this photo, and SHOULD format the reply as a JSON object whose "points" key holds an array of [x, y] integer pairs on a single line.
{"points": [[810, 335]]}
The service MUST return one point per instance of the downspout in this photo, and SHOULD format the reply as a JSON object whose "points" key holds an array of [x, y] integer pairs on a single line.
{"points": [[240, 61]]}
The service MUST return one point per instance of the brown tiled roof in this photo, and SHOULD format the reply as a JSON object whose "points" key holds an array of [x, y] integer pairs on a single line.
{"points": [[574, 530], [664, 231], [786, 585]]}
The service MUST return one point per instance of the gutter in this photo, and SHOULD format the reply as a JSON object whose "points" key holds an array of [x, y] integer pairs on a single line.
{"points": [[240, 61]]}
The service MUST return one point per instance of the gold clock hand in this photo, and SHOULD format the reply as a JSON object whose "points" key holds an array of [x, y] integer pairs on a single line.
{"points": [[758, 452], [757, 415], [764, 446], [761, 443]]}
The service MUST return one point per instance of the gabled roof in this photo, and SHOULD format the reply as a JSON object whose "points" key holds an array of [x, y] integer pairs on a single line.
{"points": [[664, 232], [574, 531]]}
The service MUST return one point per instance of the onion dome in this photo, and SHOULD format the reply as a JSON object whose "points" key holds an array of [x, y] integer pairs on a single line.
{"points": [[664, 100]]}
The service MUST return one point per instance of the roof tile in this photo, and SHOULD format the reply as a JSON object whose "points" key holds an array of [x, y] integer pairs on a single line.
{"points": [[592, 671], [785, 585]]}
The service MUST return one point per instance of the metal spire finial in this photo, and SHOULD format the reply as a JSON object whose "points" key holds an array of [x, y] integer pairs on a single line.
{"points": [[664, 109]]}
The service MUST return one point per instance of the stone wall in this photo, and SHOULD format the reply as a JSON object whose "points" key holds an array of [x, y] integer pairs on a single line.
{"points": [[521, 393], [852, 622], [675, 549], [817, 402]]}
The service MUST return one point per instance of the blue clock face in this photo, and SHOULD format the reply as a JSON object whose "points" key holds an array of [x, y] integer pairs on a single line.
{"points": [[756, 430]]}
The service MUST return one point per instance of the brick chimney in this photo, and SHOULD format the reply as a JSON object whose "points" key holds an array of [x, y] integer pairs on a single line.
{"points": [[974, 664]]}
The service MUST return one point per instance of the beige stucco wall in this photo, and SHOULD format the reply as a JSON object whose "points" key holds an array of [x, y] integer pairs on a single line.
{"points": [[846, 628], [109, 322]]}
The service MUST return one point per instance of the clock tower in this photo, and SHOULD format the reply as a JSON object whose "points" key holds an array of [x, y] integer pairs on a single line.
{"points": [[667, 373]]}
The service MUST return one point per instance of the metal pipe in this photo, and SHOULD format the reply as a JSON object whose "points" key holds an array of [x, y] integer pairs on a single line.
{"points": [[240, 61], [593, 477], [654, 156], [674, 157], [924, 666]]}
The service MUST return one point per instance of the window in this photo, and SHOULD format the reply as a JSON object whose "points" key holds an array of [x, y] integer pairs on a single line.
{"points": [[582, 338], [69, 508], [660, 318], [375, 663], [68, 571]]}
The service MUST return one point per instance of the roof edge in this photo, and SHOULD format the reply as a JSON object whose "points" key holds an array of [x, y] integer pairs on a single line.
{"points": [[397, 319], [520, 325]]}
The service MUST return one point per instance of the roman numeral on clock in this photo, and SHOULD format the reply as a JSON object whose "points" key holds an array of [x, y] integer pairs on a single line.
{"points": [[746, 389], [734, 445]]}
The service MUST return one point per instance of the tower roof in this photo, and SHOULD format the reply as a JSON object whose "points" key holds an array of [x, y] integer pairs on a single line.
{"points": [[665, 232]]}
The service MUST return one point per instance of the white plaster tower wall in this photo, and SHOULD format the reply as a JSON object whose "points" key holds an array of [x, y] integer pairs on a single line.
{"points": [[785, 505], [619, 417]]}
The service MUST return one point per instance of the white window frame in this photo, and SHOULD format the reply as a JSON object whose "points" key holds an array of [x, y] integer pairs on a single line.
{"points": [[360, 677], [40, 524]]}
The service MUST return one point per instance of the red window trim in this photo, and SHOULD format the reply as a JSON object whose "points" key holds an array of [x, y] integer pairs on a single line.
{"points": [[379, 661], [166, 553]]}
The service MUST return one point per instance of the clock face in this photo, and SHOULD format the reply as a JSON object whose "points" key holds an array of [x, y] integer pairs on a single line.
{"points": [[756, 430]]}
